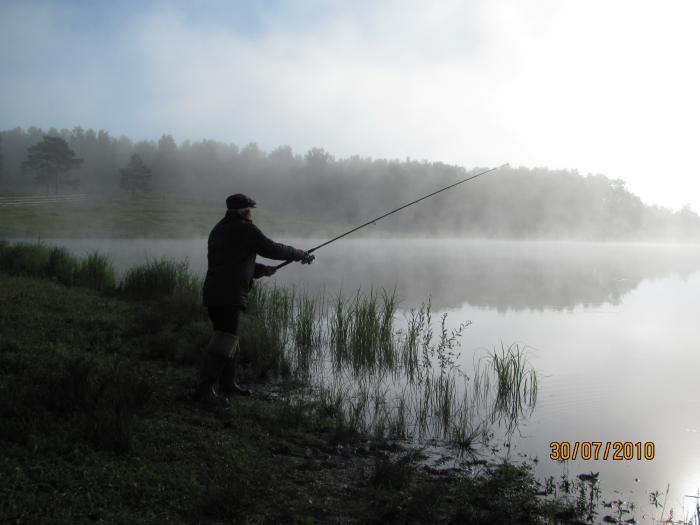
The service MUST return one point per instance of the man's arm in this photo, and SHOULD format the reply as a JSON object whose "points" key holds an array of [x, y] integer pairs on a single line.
{"points": [[270, 249]]}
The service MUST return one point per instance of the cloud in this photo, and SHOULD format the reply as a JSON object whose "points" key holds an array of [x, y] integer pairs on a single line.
{"points": [[596, 86], [393, 82]]}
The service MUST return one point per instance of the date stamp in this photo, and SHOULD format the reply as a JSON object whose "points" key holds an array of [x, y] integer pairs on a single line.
{"points": [[605, 450]]}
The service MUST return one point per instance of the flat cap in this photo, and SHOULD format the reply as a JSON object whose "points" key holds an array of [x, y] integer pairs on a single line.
{"points": [[238, 201]]}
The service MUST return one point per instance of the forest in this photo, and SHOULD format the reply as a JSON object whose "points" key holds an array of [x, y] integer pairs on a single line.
{"points": [[510, 203]]}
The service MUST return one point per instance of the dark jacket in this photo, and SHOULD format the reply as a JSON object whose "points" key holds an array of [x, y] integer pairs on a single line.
{"points": [[233, 244]]}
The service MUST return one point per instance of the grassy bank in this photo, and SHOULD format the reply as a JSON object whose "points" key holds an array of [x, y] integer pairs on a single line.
{"points": [[370, 375], [122, 217], [98, 425]]}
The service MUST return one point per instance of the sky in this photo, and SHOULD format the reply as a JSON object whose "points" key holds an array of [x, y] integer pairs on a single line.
{"points": [[607, 87]]}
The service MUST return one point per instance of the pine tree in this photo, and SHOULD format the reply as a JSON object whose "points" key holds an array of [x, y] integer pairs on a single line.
{"points": [[50, 160], [136, 177]]}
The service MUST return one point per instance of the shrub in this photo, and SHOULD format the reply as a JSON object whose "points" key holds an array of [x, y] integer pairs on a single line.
{"points": [[162, 278], [24, 258], [96, 272], [62, 265]]}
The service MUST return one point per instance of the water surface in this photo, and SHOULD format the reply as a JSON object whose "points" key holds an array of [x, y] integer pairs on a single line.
{"points": [[612, 330]]}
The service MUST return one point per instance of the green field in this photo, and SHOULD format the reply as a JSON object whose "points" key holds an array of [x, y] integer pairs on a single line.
{"points": [[167, 217]]}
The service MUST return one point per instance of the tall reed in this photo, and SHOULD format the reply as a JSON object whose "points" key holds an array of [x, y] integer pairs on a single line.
{"points": [[39, 260], [161, 278], [404, 382], [96, 271]]}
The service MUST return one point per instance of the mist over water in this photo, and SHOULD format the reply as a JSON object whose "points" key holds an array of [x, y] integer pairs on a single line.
{"points": [[503, 275], [610, 328]]}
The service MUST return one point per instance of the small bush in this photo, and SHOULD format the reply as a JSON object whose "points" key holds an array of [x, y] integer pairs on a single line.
{"points": [[96, 272], [24, 259], [62, 265], [161, 278]]}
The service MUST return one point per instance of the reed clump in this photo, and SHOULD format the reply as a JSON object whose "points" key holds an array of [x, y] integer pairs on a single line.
{"points": [[161, 278], [24, 259], [95, 271], [361, 331], [376, 376], [39, 260], [62, 265]]}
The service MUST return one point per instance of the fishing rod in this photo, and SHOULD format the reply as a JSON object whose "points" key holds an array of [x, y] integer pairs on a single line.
{"points": [[393, 211]]}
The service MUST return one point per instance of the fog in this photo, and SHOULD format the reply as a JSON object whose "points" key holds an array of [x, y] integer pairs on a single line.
{"points": [[510, 203], [499, 275]]}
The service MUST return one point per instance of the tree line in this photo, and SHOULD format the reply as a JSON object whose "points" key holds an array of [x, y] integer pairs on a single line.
{"points": [[510, 203]]}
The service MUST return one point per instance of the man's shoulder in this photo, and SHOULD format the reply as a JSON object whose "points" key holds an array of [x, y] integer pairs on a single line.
{"points": [[243, 227]]}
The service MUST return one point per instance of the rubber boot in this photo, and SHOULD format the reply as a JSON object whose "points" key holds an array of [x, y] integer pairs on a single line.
{"points": [[209, 373], [228, 384]]}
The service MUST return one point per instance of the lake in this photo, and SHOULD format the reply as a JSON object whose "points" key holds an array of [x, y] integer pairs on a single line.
{"points": [[611, 329]]}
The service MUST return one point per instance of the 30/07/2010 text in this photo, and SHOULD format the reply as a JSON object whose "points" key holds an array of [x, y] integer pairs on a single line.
{"points": [[595, 450]]}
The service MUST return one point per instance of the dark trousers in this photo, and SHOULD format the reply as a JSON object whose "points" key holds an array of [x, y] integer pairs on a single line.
{"points": [[225, 318], [216, 368]]}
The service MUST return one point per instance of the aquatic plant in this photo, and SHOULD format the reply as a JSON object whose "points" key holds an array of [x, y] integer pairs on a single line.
{"points": [[516, 383], [373, 377]]}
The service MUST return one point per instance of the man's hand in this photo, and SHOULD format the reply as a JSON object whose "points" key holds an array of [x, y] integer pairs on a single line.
{"points": [[307, 258]]}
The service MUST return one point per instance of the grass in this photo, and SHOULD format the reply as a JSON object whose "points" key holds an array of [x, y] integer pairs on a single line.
{"points": [[36, 259], [517, 383], [155, 280], [97, 429], [395, 474], [161, 278], [354, 345], [163, 217], [96, 272]]}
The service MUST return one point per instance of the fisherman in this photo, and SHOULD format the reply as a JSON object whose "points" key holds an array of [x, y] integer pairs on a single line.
{"points": [[232, 246]]}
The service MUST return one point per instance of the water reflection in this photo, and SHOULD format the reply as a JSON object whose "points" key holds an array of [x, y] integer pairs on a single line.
{"points": [[500, 275], [495, 274]]}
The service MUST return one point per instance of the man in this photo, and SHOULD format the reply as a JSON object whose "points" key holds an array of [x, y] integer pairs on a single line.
{"points": [[232, 247]]}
